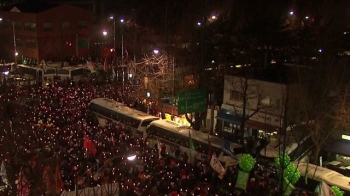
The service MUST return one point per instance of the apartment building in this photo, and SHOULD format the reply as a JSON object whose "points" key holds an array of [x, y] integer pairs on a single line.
{"points": [[38, 31]]}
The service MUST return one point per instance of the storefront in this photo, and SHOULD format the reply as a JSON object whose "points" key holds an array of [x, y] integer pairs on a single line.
{"points": [[229, 123], [171, 110]]}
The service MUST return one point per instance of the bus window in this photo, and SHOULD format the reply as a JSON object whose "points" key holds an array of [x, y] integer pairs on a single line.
{"points": [[40, 74], [77, 72], [50, 71], [63, 71], [303, 147]]}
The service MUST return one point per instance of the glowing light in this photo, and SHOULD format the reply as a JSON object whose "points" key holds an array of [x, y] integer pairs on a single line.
{"points": [[104, 32]]}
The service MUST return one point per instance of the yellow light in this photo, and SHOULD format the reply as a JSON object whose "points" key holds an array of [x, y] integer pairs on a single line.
{"points": [[238, 66], [345, 137]]}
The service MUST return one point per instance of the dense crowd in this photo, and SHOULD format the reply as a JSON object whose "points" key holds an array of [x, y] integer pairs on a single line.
{"points": [[57, 119]]}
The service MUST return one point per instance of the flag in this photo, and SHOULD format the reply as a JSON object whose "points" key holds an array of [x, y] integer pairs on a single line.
{"points": [[89, 145], [126, 53], [22, 185], [210, 147], [216, 165], [306, 171], [228, 149], [3, 173], [159, 148], [113, 72], [105, 65], [58, 179], [325, 190], [191, 144], [91, 66]]}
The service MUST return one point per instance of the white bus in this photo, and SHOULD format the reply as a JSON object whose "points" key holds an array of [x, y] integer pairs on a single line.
{"points": [[316, 174], [109, 109], [297, 144], [174, 137], [29, 72], [74, 73], [50, 73]]}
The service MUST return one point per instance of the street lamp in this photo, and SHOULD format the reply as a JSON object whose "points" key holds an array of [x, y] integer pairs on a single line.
{"points": [[104, 32], [14, 40], [122, 62], [156, 52]]}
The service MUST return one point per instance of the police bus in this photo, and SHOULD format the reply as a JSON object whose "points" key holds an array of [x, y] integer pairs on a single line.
{"points": [[297, 144], [117, 112], [74, 73], [175, 137], [316, 174], [29, 72]]}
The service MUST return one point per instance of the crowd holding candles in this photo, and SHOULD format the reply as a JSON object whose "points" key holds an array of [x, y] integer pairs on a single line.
{"points": [[55, 121]]}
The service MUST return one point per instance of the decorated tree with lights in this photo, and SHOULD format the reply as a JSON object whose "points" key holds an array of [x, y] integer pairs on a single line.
{"points": [[155, 75]]}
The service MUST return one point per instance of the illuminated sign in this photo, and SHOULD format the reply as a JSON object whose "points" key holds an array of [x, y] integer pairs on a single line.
{"points": [[345, 137]]}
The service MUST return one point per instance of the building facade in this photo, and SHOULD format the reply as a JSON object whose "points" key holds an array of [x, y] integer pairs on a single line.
{"points": [[44, 32], [263, 102]]}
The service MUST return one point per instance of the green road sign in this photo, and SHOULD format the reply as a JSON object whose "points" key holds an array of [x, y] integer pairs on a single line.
{"points": [[83, 43], [193, 101]]}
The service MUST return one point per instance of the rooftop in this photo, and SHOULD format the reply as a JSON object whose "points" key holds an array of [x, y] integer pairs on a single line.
{"points": [[31, 6]]}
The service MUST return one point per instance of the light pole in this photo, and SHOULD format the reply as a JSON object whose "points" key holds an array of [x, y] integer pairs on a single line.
{"points": [[14, 40], [156, 52], [114, 54], [122, 62]]}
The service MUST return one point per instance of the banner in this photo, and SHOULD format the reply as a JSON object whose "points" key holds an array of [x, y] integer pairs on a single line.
{"points": [[325, 190], [106, 189], [216, 165], [159, 148], [242, 180], [287, 187], [228, 149]]}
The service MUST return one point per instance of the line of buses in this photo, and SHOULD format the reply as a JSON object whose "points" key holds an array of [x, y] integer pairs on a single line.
{"points": [[175, 137], [50, 72]]}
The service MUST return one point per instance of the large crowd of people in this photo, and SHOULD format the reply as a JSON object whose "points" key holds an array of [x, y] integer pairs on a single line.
{"points": [[56, 120]]}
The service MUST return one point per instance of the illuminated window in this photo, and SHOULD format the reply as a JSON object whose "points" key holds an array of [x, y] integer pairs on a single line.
{"points": [[66, 25], [236, 95], [30, 26], [48, 26], [267, 101]]}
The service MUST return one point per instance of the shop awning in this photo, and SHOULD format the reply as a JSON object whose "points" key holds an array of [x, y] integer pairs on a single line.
{"points": [[229, 116], [341, 147], [261, 126]]}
